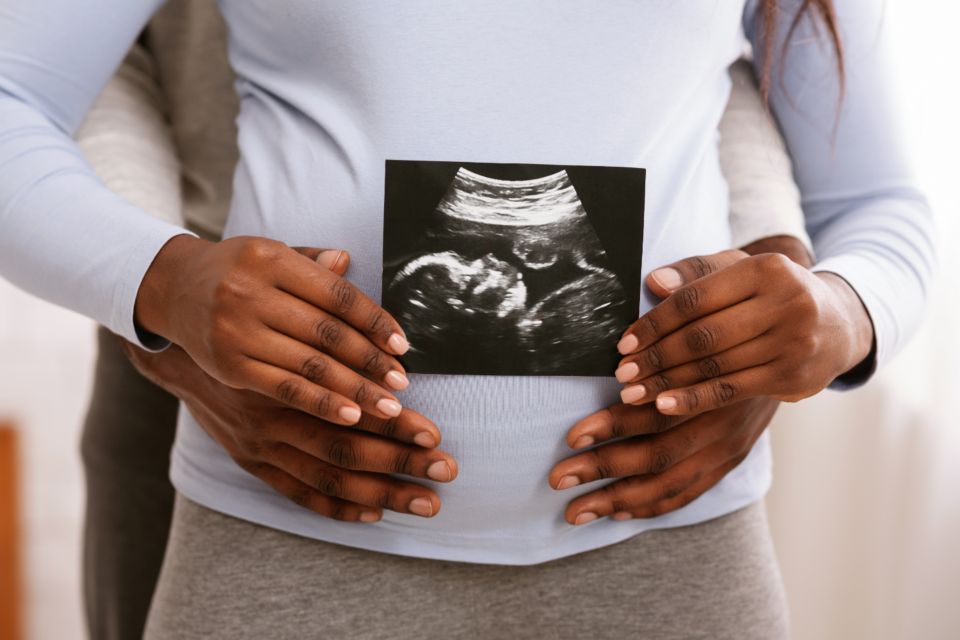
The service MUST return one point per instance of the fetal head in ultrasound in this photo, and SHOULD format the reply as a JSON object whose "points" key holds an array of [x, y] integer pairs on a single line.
{"points": [[512, 269]]}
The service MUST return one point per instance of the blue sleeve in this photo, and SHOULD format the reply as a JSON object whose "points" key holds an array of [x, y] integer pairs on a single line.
{"points": [[868, 221], [63, 235]]}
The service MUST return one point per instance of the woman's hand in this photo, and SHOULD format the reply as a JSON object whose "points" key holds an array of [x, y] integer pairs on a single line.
{"points": [[748, 326], [258, 315], [665, 461], [338, 472]]}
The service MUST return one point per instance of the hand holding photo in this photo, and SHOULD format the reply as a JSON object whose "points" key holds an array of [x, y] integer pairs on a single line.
{"points": [[506, 269]]}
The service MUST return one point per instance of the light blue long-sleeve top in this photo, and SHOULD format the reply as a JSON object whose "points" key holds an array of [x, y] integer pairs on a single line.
{"points": [[332, 89]]}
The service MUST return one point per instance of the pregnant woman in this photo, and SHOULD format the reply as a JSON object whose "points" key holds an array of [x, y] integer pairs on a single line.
{"points": [[331, 92]]}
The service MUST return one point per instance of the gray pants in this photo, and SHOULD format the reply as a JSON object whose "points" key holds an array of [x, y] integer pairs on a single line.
{"points": [[125, 445], [228, 578]]}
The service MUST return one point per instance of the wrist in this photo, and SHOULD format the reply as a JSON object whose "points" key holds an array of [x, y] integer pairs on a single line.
{"points": [[856, 328], [158, 289]]}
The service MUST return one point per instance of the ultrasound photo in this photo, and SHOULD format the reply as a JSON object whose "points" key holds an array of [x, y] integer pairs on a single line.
{"points": [[512, 269]]}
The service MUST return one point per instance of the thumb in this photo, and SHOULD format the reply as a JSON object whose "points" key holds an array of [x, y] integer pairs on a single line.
{"points": [[665, 280], [336, 260]]}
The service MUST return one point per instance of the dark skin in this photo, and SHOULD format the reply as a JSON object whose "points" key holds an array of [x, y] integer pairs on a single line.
{"points": [[344, 472], [337, 471], [662, 460]]}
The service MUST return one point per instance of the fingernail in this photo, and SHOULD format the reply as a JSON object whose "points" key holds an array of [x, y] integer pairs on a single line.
{"points": [[627, 372], [440, 470], [390, 407], [369, 516], [583, 441], [350, 414], [628, 344], [397, 380], [636, 393], [329, 258], [398, 344], [568, 481], [622, 515], [585, 517], [666, 403], [425, 439], [421, 507], [668, 278]]}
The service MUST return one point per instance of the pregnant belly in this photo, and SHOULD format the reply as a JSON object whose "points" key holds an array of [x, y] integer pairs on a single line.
{"points": [[506, 434]]}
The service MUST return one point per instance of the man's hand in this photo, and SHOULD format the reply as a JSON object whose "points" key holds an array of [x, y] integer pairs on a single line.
{"points": [[748, 326], [339, 472], [259, 315], [665, 461]]}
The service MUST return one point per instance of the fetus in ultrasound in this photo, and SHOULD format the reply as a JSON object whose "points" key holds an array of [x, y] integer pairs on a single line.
{"points": [[510, 279]]}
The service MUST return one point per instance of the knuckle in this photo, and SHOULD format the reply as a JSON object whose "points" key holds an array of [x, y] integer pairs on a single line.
{"points": [[323, 404], [314, 368], [724, 391], [377, 323], [374, 363], [601, 465], [670, 490], [661, 459], [701, 266], [327, 332], [650, 324], [661, 422], [342, 453], [709, 368], [330, 482], [388, 427], [402, 461], [289, 391], [258, 250], [654, 357], [660, 383], [701, 339], [362, 392], [687, 300], [776, 263], [343, 295], [301, 497], [339, 511], [693, 398]]}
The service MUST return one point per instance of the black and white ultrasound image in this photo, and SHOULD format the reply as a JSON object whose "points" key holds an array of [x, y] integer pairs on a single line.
{"points": [[510, 269]]}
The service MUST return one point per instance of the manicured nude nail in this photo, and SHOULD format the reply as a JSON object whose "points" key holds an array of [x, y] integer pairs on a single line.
{"points": [[330, 258], [397, 380], [627, 372], [622, 515], [398, 344], [568, 481], [585, 517], [668, 278], [421, 507], [628, 344], [351, 415], [425, 439], [390, 407], [440, 470], [636, 393], [666, 403], [583, 441], [369, 516]]}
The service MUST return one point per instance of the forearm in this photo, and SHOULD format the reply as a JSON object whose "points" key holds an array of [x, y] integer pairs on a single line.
{"points": [[65, 236]]}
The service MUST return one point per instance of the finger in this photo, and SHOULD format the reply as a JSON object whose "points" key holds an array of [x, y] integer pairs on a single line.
{"points": [[638, 495], [667, 279], [618, 421], [325, 290], [309, 498], [371, 489], [336, 260], [719, 392], [321, 370], [293, 317], [717, 332], [409, 426], [638, 456], [350, 449], [743, 356], [693, 301]]}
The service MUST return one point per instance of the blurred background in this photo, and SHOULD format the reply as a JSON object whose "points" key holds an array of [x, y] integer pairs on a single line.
{"points": [[866, 500]]}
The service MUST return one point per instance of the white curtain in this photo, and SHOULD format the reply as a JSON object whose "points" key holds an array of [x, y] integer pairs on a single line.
{"points": [[866, 500]]}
